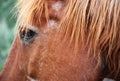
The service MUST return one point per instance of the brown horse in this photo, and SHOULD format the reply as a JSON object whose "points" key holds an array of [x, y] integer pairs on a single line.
{"points": [[65, 40]]}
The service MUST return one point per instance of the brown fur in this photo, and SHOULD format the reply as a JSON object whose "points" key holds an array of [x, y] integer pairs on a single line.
{"points": [[84, 46]]}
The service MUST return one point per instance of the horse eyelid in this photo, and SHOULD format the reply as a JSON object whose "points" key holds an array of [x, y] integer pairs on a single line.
{"points": [[28, 34]]}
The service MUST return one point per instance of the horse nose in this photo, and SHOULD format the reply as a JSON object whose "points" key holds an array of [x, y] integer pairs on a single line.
{"points": [[107, 79]]}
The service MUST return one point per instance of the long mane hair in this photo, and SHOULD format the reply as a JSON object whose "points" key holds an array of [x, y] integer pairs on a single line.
{"points": [[94, 23]]}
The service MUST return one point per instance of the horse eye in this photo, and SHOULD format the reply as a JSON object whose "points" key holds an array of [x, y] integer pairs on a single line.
{"points": [[27, 35]]}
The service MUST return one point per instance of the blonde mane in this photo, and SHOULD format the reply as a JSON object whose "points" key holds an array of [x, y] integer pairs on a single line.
{"points": [[94, 23]]}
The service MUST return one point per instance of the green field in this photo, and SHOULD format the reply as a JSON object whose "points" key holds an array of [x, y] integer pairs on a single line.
{"points": [[7, 24]]}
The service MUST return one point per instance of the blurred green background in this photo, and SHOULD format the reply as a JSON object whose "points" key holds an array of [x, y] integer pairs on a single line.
{"points": [[7, 26]]}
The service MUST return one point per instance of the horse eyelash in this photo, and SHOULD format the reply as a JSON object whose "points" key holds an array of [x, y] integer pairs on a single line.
{"points": [[27, 36]]}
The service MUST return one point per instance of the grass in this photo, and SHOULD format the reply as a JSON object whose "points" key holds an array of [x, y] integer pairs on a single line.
{"points": [[6, 38]]}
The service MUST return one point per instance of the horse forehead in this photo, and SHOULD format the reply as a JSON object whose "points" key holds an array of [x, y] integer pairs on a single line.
{"points": [[57, 5], [55, 8], [55, 11]]}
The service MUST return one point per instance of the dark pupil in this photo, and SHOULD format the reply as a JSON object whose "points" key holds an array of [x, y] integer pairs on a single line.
{"points": [[26, 35]]}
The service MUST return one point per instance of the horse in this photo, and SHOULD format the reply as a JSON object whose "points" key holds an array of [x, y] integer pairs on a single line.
{"points": [[65, 40]]}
